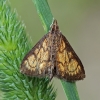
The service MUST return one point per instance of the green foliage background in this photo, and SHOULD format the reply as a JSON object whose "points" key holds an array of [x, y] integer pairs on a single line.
{"points": [[80, 23]]}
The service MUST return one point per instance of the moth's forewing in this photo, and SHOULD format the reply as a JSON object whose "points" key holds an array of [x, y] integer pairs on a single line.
{"points": [[37, 61], [69, 66]]}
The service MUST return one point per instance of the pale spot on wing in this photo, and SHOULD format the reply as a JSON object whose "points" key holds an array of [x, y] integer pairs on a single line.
{"points": [[70, 54], [66, 57], [32, 61], [31, 58], [77, 70], [73, 69], [72, 66], [46, 56], [32, 69], [71, 73], [79, 67], [61, 69], [35, 63], [62, 46], [26, 64], [39, 55], [42, 67], [45, 44], [36, 51], [61, 57]]}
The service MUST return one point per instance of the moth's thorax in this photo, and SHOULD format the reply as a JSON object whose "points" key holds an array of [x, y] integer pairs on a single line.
{"points": [[54, 42], [54, 27], [55, 38]]}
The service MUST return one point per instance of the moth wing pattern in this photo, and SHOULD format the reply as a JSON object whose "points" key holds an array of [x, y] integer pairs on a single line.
{"points": [[68, 65], [53, 56], [37, 61]]}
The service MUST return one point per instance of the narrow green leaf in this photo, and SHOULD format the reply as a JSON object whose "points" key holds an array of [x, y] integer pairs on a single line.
{"points": [[70, 90], [44, 12]]}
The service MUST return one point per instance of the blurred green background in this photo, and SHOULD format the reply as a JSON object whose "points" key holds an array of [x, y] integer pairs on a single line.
{"points": [[79, 21]]}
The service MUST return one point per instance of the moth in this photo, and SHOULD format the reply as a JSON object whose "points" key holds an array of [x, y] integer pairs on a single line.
{"points": [[53, 56]]}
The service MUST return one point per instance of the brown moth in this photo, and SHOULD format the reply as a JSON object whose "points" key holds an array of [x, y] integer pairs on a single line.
{"points": [[53, 56]]}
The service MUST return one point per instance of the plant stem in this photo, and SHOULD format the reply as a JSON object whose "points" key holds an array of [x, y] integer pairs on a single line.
{"points": [[44, 12], [46, 17], [70, 90]]}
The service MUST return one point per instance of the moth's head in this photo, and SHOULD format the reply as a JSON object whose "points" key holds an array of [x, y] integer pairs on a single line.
{"points": [[54, 26]]}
